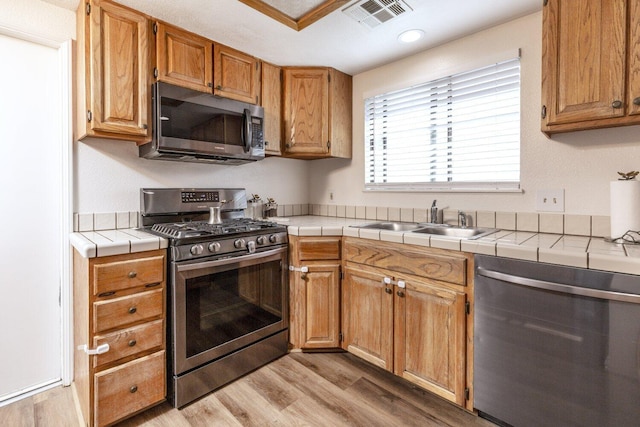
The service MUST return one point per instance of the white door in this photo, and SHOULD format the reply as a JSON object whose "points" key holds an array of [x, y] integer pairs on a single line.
{"points": [[32, 180]]}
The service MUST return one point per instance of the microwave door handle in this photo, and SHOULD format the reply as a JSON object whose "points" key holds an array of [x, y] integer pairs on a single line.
{"points": [[247, 134]]}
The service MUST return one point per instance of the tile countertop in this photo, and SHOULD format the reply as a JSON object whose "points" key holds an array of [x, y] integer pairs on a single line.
{"points": [[574, 251], [91, 244]]}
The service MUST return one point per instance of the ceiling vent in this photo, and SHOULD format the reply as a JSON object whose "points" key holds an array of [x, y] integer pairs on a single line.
{"points": [[372, 13]]}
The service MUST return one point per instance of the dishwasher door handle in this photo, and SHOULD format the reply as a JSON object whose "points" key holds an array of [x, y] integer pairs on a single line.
{"points": [[559, 287]]}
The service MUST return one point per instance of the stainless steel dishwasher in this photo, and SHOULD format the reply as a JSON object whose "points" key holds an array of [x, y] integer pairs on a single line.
{"points": [[555, 346]]}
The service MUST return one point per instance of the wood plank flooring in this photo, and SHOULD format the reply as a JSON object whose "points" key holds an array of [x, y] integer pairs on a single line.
{"points": [[300, 389]]}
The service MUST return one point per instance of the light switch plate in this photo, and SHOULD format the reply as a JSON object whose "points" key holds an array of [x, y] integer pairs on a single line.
{"points": [[550, 200]]}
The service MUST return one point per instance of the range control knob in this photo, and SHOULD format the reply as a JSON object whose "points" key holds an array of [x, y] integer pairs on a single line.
{"points": [[273, 238], [261, 240], [239, 243], [196, 250], [214, 247]]}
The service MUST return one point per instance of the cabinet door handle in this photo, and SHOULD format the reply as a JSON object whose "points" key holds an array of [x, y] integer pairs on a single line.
{"points": [[400, 294], [616, 104], [101, 349], [132, 343], [388, 290], [132, 310], [636, 101], [132, 274]]}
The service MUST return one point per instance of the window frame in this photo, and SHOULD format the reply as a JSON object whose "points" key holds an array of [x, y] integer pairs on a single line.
{"points": [[448, 186]]}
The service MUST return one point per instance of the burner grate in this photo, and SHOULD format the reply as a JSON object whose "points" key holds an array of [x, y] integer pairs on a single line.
{"points": [[201, 228]]}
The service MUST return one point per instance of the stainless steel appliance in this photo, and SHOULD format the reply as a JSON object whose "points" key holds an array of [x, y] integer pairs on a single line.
{"points": [[228, 287], [556, 346], [192, 126]]}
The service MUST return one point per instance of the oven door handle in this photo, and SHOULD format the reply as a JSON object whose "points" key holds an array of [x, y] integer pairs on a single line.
{"points": [[560, 287], [226, 261]]}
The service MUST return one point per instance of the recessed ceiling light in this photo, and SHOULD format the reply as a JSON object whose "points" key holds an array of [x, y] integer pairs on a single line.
{"points": [[411, 36]]}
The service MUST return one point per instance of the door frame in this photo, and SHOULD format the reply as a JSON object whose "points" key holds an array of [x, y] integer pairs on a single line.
{"points": [[65, 139]]}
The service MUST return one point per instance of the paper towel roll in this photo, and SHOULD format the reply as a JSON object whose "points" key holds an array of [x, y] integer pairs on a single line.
{"points": [[625, 207]]}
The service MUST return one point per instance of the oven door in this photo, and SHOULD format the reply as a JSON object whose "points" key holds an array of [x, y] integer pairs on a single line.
{"points": [[220, 306]]}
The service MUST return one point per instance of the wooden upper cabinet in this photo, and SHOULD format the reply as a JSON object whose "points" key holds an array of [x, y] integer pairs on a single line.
{"points": [[590, 64], [183, 58], [113, 69], [236, 75], [271, 100], [317, 112]]}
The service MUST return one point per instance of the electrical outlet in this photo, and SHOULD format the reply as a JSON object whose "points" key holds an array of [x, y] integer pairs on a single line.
{"points": [[550, 200]]}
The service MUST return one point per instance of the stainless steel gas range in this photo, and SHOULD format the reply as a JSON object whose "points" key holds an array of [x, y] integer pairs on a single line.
{"points": [[227, 287]]}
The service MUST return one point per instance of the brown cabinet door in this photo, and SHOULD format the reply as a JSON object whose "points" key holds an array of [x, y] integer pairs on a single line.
{"points": [[306, 111], [236, 75], [584, 60], [340, 114], [368, 317], [184, 58], [320, 288], [634, 57], [271, 100], [116, 56], [430, 326]]}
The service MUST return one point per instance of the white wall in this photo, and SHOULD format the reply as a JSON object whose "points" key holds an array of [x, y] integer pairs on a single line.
{"points": [[582, 163], [38, 18], [110, 175]]}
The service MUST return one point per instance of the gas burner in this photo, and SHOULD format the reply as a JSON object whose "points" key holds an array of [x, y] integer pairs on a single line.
{"points": [[183, 230]]}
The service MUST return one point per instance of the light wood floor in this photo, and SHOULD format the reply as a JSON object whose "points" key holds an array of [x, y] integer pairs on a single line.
{"points": [[300, 389]]}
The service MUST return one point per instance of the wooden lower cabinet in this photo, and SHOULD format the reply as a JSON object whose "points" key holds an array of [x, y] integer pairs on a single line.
{"points": [[315, 292], [412, 325], [429, 338], [119, 301], [368, 315]]}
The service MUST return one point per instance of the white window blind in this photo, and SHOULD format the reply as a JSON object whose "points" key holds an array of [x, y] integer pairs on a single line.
{"points": [[458, 133]]}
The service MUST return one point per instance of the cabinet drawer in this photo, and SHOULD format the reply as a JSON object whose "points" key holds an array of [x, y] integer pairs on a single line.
{"points": [[130, 341], [318, 249], [128, 388], [122, 311], [119, 275], [404, 259]]}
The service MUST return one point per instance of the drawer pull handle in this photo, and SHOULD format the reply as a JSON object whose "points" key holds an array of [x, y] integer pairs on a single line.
{"points": [[132, 310], [132, 343], [133, 388], [132, 274], [107, 294], [151, 285]]}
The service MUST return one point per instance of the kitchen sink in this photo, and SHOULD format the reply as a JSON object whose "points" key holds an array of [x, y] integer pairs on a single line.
{"points": [[469, 233], [392, 226]]}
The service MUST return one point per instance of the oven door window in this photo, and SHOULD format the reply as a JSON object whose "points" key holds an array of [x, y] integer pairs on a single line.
{"points": [[224, 307]]}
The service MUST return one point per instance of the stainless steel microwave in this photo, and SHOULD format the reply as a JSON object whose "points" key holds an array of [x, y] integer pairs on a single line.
{"points": [[192, 126]]}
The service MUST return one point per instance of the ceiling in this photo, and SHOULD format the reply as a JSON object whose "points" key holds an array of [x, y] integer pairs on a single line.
{"points": [[335, 40]]}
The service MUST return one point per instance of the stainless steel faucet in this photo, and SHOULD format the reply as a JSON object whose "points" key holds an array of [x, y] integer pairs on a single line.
{"points": [[462, 219], [434, 212]]}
